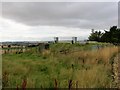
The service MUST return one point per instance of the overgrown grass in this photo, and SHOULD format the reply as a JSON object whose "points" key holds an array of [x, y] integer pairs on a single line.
{"points": [[85, 67]]}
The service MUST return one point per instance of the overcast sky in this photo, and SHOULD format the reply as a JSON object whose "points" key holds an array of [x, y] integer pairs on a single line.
{"points": [[41, 20]]}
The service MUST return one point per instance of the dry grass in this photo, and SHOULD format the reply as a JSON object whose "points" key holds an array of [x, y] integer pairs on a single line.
{"points": [[93, 78], [86, 69], [93, 57]]}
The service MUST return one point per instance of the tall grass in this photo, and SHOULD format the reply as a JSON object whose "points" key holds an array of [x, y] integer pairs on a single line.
{"points": [[51, 68]]}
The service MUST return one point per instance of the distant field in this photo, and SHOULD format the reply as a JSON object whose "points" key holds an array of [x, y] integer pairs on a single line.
{"points": [[63, 66]]}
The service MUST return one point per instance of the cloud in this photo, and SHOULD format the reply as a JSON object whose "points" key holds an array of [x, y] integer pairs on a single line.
{"points": [[98, 15], [37, 21], [119, 14], [12, 31]]}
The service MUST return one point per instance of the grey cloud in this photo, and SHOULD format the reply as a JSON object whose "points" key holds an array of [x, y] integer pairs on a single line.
{"points": [[119, 14], [83, 15]]}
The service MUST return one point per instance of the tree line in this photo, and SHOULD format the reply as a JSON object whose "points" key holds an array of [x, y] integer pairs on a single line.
{"points": [[111, 36]]}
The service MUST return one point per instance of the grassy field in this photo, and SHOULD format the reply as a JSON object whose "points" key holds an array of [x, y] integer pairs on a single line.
{"points": [[63, 66]]}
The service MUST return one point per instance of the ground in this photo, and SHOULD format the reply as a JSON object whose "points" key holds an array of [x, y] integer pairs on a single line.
{"points": [[63, 66]]}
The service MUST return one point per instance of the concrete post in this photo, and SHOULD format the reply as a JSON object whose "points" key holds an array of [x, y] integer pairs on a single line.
{"points": [[56, 39]]}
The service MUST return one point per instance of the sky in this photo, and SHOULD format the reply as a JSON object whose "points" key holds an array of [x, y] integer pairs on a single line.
{"points": [[36, 21]]}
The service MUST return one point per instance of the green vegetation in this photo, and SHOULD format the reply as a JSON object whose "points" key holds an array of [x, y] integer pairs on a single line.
{"points": [[111, 36], [62, 63]]}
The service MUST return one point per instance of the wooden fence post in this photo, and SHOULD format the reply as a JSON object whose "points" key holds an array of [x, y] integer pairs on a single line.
{"points": [[70, 84], [24, 84], [55, 84]]}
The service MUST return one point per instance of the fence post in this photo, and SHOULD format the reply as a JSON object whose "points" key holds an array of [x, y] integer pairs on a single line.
{"points": [[55, 84], [9, 48], [24, 84], [70, 84]]}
